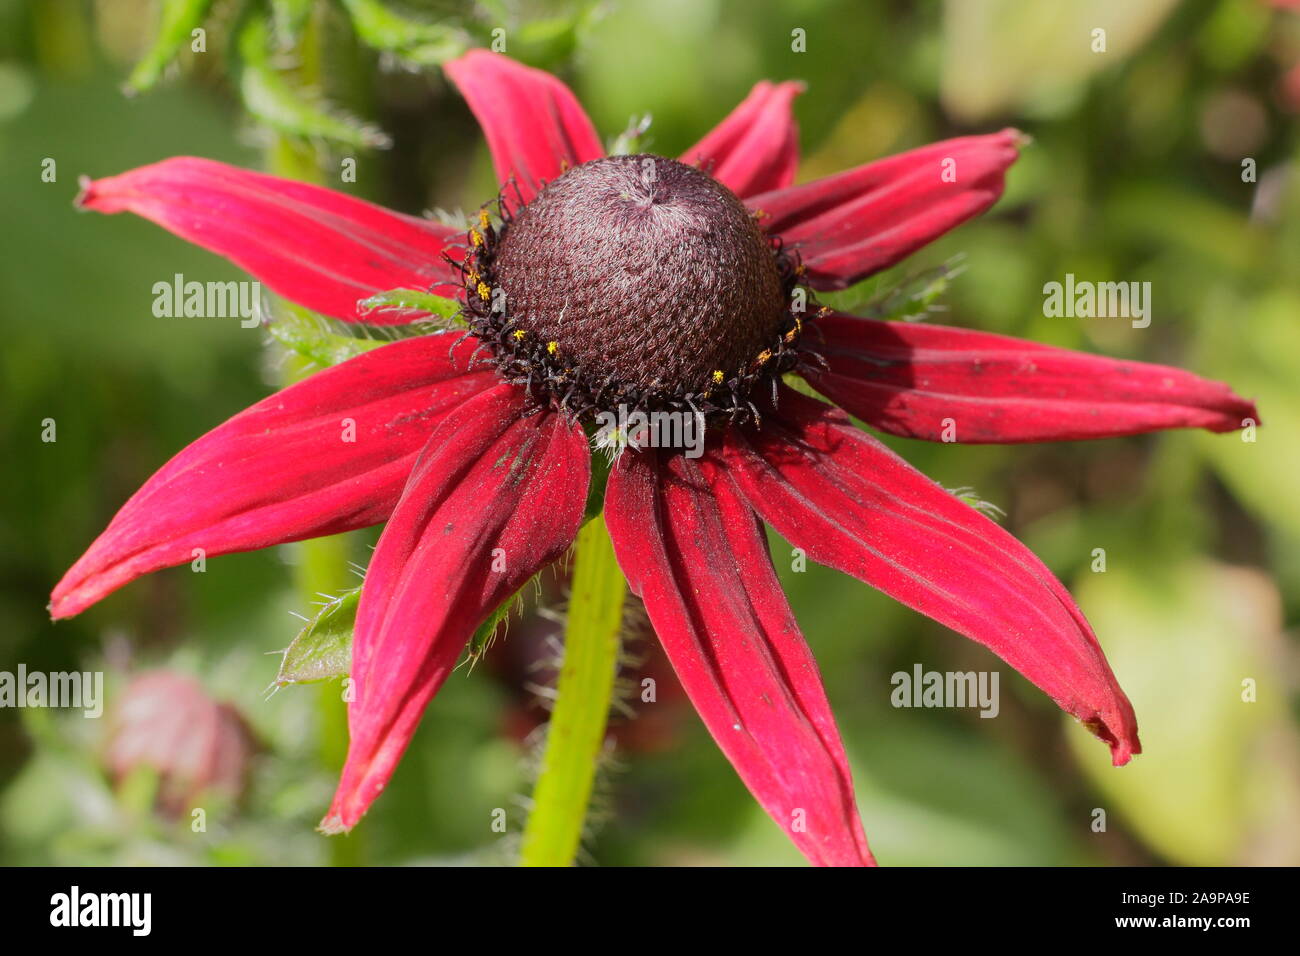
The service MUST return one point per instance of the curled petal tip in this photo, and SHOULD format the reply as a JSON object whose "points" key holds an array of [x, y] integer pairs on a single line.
{"points": [[333, 825], [1124, 744], [1247, 414], [1122, 751], [85, 185], [1019, 138]]}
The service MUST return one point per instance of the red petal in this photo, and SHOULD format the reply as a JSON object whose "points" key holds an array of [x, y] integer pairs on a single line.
{"points": [[535, 126], [854, 505], [282, 469], [317, 247], [907, 378], [850, 225], [756, 148], [694, 551], [494, 499]]}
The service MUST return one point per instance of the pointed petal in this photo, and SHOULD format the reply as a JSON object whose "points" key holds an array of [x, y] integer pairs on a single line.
{"points": [[695, 552], [327, 454], [756, 148], [535, 126], [907, 378], [317, 247], [494, 499], [854, 505], [847, 226]]}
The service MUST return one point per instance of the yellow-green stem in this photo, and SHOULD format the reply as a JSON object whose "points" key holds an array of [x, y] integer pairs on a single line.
{"points": [[575, 735]]}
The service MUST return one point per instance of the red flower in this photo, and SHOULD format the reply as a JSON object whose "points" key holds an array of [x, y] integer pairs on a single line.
{"points": [[166, 721], [461, 460]]}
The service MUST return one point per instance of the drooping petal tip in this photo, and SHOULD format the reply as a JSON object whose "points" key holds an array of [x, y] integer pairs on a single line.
{"points": [[1122, 747], [854, 505], [84, 186], [495, 497], [328, 454], [333, 825]]}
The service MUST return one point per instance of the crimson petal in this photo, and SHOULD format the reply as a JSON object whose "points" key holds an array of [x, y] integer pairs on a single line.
{"points": [[317, 247], [854, 505], [855, 223], [756, 148], [696, 554], [327, 454], [495, 498], [535, 126], [912, 379]]}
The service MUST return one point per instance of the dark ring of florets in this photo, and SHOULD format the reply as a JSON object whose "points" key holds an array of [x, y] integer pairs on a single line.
{"points": [[521, 358]]}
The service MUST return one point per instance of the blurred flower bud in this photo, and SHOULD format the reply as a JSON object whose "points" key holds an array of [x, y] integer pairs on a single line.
{"points": [[199, 748]]}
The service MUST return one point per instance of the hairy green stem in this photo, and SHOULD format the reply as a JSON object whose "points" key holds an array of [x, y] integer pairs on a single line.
{"points": [[576, 732]]}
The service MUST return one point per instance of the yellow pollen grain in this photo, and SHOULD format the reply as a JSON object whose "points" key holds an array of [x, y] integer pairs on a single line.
{"points": [[718, 377], [483, 291], [519, 334], [475, 239], [483, 219], [552, 347], [764, 356]]}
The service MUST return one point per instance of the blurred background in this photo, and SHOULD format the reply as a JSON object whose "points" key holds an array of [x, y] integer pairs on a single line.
{"points": [[1135, 174]]}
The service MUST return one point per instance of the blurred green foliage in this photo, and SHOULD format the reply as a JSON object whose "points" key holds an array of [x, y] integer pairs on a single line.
{"points": [[1135, 174]]}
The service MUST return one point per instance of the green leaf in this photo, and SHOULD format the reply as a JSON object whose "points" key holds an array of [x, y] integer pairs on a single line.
{"points": [[414, 42], [178, 20], [271, 99]]}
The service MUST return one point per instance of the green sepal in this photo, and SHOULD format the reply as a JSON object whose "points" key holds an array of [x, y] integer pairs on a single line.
{"points": [[323, 649], [436, 306], [411, 41], [314, 338]]}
